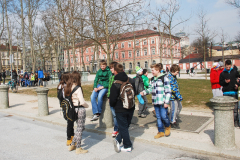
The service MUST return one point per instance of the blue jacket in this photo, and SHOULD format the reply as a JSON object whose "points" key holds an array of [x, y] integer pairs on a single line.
{"points": [[40, 74], [174, 88]]}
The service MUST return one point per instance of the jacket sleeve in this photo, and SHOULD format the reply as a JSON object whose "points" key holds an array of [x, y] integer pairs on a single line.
{"points": [[214, 78], [167, 90], [136, 85], [146, 82], [96, 80], [114, 95], [110, 85], [149, 90], [222, 80], [81, 99]]}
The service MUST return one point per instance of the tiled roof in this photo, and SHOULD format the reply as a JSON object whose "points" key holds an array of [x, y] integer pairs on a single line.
{"points": [[4, 48], [193, 56]]}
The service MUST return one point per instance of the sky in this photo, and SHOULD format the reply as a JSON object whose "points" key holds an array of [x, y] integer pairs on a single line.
{"points": [[220, 15]]}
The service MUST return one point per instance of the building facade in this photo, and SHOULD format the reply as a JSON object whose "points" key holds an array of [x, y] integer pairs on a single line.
{"points": [[146, 47]]}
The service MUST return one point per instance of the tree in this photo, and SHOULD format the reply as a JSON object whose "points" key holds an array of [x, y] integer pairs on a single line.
{"points": [[204, 34], [2, 26]]}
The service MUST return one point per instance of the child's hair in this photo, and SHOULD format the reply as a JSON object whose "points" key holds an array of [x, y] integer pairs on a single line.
{"points": [[103, 63], [75, 78], [161, 65], [112, 64], [64, 78], [145, 71], [228, 62], [174, 68], [118, 68], [157, 67]]}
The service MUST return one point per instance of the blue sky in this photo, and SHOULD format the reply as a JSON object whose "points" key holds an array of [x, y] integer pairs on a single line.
{"points": [[219, 13]]}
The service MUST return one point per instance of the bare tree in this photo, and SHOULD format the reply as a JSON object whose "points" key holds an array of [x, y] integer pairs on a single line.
{"points": [[2, 27]]}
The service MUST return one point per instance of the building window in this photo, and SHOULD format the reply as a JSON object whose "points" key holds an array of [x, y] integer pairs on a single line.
{"points": [[123, 66], [129, 44], [138, 53], [104, 56], [71, 52], [116, 46], [86, 50], [145, 52], [91, 49], [137, 42], [129, 54], [76, 60], [67, 61], [144, 42], [87, 59], [76, 52], [123, 54], [153, 62], [71, 60], [152, 40], [122, 45], [116, 55], [146, 64], [91, 57], [130, 65], [153, 51], [3, 62], [138, 64]]}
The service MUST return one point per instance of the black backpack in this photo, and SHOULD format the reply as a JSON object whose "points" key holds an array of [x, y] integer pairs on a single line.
{"points": [[60, 95], [68, 109], [162, 78]]}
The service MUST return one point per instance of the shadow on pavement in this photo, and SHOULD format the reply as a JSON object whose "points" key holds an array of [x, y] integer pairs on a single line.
{"points": [[210, 132], [16, 105]]}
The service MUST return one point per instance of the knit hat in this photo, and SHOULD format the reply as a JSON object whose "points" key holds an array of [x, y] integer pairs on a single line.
{"points": [[216, 65], [221, 64], [138, 69]]}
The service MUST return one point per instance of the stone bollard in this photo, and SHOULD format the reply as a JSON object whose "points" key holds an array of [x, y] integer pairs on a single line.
{"points": [[106, 119], [42, 94], [4, 102], [224, 133]]}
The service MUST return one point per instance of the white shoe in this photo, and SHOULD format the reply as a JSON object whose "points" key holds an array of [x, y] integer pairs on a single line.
{"points": [[116, 146], [95, 117], [126, 149]]}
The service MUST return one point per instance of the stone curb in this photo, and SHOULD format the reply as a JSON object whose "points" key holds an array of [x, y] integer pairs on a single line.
{"points": [[201, 148]]}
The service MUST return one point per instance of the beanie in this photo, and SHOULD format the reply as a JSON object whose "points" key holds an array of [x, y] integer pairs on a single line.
{"points": [[215, 65], [138, 69]]}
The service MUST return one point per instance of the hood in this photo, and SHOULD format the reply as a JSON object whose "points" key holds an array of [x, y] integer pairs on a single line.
{"points": [[122, 76], [106, 69], [227, 70]]}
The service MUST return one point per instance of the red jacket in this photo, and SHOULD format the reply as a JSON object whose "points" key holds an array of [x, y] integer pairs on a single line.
{"points": [[214, 78]]}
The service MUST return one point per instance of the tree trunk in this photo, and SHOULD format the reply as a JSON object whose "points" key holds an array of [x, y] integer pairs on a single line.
{"points": [[106, 32], [23, 39]]}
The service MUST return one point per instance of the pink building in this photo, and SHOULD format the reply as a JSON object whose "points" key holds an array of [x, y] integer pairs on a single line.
{"points": [[147, 51]]}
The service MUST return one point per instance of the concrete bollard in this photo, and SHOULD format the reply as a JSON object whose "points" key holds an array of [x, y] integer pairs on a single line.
{"points": [[106, 119], [42, 94], [224, 133], [4, 100]]}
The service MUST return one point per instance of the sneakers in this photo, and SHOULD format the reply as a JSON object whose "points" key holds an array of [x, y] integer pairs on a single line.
{"points": [[81, 151], [71, 148], [116, 146], [142, 115], [95, 117], [159, 135], [69, 141], [114, 133], [126, 149], [167, 131]]}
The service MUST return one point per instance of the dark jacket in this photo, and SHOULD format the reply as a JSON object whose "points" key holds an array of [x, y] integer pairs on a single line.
{"points": [[115, 92], [14, 75], [232, 75], [139, 85], [59, 75], [25, 75], [4, 74]]}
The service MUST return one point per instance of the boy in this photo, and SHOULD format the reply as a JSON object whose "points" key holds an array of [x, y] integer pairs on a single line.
{"points": [[176, 97], [111, 79], [124, 116], [32, 79], [101, 83], [142, 108], [228, 80], [139, 87], [214, 79], [161, 92]]}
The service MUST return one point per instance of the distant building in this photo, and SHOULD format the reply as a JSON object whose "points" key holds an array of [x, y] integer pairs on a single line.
{"points": [[184, 39]]}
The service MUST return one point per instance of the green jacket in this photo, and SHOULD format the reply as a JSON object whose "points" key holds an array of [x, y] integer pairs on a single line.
{"points": [[145, 81], [111, 79], [102, 77]]}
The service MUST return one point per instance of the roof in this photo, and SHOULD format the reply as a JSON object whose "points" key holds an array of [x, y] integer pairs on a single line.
{"points": [[216, 58], [5, 48], [193, 56]]}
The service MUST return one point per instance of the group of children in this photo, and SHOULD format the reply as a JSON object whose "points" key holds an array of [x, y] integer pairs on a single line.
{"points": [[163, 87]]}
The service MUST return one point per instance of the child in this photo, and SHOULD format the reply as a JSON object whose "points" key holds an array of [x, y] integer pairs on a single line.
{"points": [[176, 97], [142, 108], [214, 79], [161, 93], [80, 105], [111, 79], [139, 87], [32, 79], [101, 83]]}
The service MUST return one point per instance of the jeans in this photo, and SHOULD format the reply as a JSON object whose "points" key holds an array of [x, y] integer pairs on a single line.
{"points": [[235, 111], [40, 82], [114, 119], [31, 83], [162, 117], [176, 108], [97, 107], [3, 80], [124, 120], [70, 129], [142, 107]]}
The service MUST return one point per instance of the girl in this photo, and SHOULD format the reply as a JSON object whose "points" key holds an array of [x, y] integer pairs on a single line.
{"points": [[80, 105]]}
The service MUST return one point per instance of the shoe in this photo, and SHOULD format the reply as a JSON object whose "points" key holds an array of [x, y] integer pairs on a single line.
{"points": [[81, 151], [167, 131], [143, 115], [126, 149], [71, 148], [69, 141], [159, 135], [114, 133], [154, 113], [95, 117], [116, 146]]}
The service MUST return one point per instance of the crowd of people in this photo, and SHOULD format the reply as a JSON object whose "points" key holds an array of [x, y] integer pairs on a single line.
{"points": [[121, 90]]}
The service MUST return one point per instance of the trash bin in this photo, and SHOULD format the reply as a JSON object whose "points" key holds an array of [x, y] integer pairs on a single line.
{"points": [[85, 76], [208, 70], [129, 71]]}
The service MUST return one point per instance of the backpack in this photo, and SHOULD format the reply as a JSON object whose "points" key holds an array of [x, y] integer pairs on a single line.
{"points": [[68, 109], [26, 76], [60, 95], [162, 78], [126, 94]]}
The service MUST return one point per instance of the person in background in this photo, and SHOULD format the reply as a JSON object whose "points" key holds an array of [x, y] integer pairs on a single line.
{"points": [[36, 79], [26, 78], [235, 67], [0, 77], [40, 77], [214, 79], [4, 76], [143, 107], [221, 67], [59, 75], [32, 79]]}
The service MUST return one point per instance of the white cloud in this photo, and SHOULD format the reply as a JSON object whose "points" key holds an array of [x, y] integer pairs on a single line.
{"points": [[220, 4]]}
